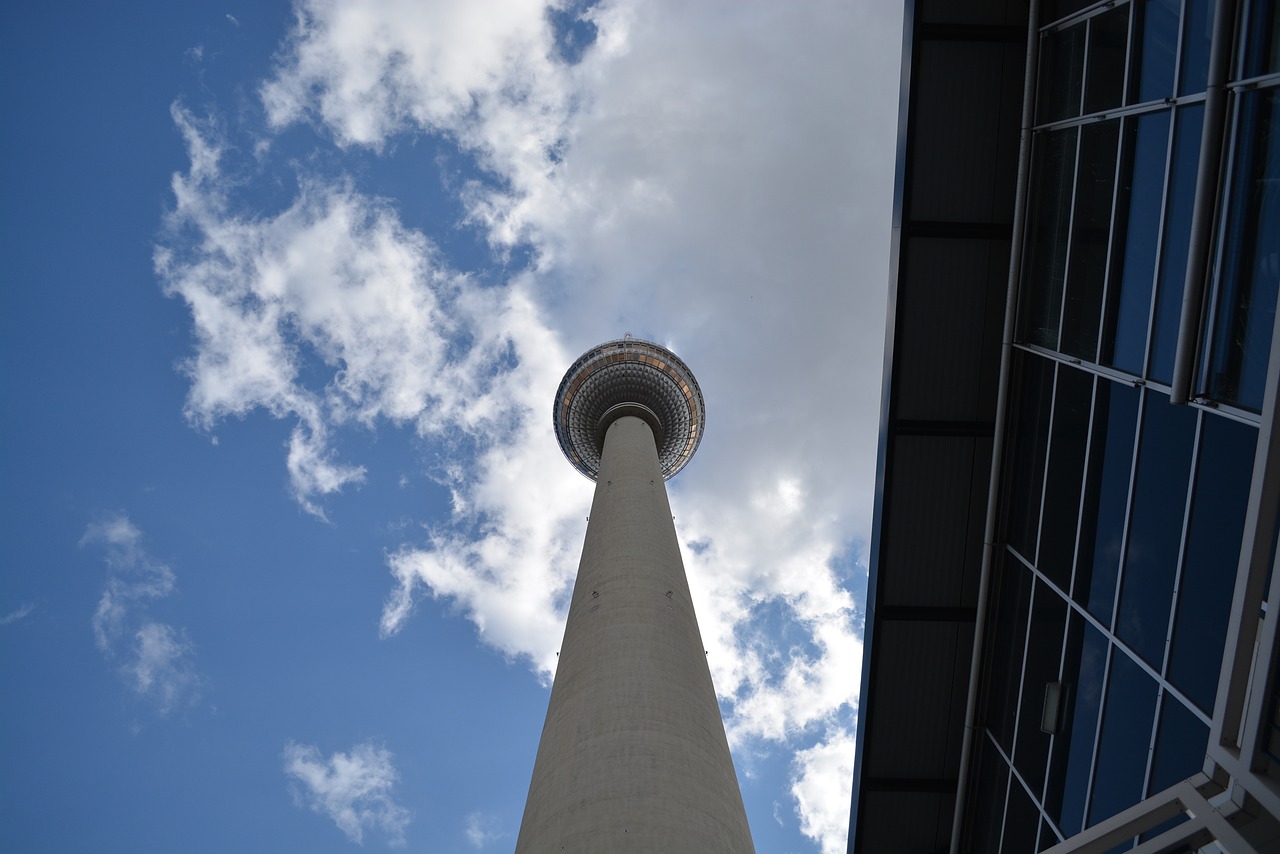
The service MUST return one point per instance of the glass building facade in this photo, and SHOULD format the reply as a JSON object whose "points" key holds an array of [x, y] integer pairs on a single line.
{"points": [[1116, 645]]}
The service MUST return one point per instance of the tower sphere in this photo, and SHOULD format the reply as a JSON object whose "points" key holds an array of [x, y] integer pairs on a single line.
{"points": [[628, 376]]}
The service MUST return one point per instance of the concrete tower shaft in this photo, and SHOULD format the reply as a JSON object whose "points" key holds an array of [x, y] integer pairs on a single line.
{"points": [[633, 756]]}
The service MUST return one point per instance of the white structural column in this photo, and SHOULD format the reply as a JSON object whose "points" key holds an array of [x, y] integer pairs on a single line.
{"points": [[633, 755]]}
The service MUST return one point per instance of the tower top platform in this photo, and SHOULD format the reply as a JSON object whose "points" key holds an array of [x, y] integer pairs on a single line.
{"points": [[628, 376]]}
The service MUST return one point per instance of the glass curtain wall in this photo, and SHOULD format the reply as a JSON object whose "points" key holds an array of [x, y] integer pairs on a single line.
{"points": [[1122, 514]]}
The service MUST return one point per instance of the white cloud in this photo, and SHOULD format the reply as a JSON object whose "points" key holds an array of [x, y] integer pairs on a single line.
{"points": [[19, 613], [714, 177], [482, 829], [823, 788], [155, 659], [354, 789]]}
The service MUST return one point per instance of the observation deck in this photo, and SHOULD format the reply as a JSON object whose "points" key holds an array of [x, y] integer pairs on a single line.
{"points": [[628, 376]]}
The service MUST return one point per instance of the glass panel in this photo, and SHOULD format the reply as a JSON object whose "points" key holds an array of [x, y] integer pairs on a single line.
{"points": [[1156, 49], [1115, 417], [1082, 671], [1095, 185], [1155, 526], [1050, 217], [1126, 736], [1194, 74], [1048, 838], [1177, 234], [1104, 80], [1137, 227], [1241, 343], [1061, 66], [1007, 642], [1030, 438], [1072, 400], [1223, 473], [1181, 742], [1262, 55], [1021, 821], [1044, 651]]}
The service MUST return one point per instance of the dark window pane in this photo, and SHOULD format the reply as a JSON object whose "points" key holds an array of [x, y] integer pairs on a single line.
{"points": [[1262, 56], [1138, 226], [1241, 343], [1044, 651], [1194, 75], [1223, 472], [1030, 438], [1083, 667], [1072, 400], [1048, 838], [1177, 234], [1095, 184], [1157, 46], [1155, 526], [1061, 69], [1021, 821], [1050, 217], [1115, 417], [990, 785], [1181, 742], [1104, 81], [1007, 641], [1126, 734]]}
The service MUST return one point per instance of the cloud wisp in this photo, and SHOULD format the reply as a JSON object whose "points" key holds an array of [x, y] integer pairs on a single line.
{"points": [[20, 613], [155, 659], [353, 789], [483, 829], [708, 180]]}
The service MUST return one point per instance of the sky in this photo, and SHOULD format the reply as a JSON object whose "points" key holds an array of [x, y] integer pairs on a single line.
{"points": [[288, 289]]}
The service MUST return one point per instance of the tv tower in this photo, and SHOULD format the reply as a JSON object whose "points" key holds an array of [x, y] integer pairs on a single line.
{"points": [[633, 755]]}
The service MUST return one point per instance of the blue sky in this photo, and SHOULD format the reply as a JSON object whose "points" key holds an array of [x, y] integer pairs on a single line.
{"points": [[288, 289]]}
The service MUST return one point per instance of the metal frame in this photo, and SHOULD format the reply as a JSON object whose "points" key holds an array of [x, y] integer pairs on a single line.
{"points": [[1234, 789]]}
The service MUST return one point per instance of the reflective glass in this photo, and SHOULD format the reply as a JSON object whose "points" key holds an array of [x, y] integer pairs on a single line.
{"points": [[1223, 473], [1030, 439], [1138, 227], [1262, 54], [1007, 642], [1127, 716], [1090, 232], [1115, 417], [1072, 400], [1189, 122], [1044, 652], [1157, 48], [1181, 741], [1104, 76], [1246, 303], [1083, 667], [1061, 66], [1194, 73], [1155, 526], [1048, 838], [1050, 218], [1021, 822]]}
